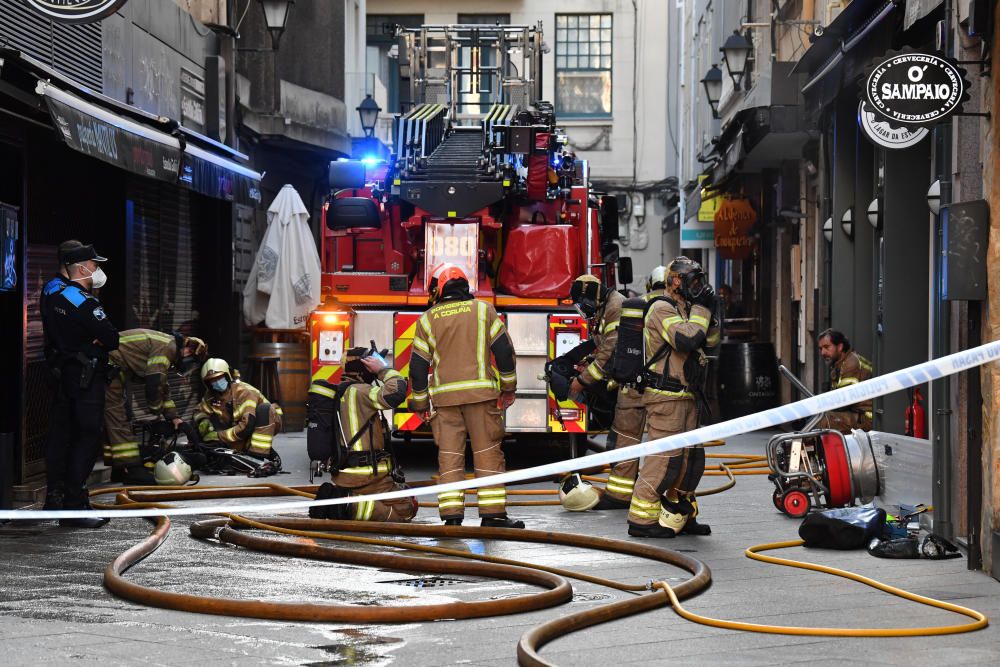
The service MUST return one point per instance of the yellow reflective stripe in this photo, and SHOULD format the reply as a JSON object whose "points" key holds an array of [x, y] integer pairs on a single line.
{"points": [[610, 326], [632, 312], [123, 446], [868, 413], [149, 335], [421, 345], [492, 492], [508, 377], [322, 391], [620, 481], [488, 502], [845, 382], [364, 510], [169, 405], [419, 396], [353, 422], [425, 323], [459, 386], [481, 339], [713, 338], [158, 360], [383, 468], [671, 394], [595, 371], [496, 328], [250, 404], [445, 495], [624, 490], [373, 395], [392, 373], [699, 320]]}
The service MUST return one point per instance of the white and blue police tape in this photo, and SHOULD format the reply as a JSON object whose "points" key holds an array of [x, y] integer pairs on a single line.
{"points": [[878, 386]]}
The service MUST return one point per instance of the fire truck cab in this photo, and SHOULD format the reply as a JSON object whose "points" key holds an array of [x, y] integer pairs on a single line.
{"points": [[480, 176]]}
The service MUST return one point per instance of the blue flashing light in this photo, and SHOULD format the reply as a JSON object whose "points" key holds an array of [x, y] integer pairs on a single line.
{"points": [[370, 160]]}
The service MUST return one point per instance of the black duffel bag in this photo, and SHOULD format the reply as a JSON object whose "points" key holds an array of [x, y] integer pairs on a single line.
{"points": [[843, 528]]}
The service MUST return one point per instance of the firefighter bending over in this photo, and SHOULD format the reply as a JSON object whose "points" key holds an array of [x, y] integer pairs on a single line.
{"points": [[847, 367], [149, 355], [679, 327], [235, 414], [458, 335], [346, 426]]}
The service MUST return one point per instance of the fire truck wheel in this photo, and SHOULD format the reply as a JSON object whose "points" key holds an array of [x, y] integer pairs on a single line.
{"points": [[795, 504]]}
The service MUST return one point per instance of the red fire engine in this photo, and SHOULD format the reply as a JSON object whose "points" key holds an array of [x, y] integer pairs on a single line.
{"points": [[480, 176]]}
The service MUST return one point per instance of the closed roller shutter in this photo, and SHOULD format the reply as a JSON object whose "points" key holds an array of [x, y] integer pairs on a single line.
{"points": [[42, 265], [163, 276], [75, 50]]}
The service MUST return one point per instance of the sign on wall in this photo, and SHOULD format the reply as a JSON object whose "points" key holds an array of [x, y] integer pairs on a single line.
{"points": [[885, 134], [75, 11], [913, 88], [734, 223]]}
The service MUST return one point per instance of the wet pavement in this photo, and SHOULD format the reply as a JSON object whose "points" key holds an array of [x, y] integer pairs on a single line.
{"points": [[54, 609]]}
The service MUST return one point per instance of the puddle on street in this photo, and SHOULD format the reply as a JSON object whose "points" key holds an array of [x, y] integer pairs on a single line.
{"points": [[358, 648]]}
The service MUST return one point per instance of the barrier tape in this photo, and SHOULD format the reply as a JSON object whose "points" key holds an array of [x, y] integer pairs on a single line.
{"points": [[838, 398]]}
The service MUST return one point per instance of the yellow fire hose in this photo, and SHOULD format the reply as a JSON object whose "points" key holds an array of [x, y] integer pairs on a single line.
{"points": [[231, 529]]}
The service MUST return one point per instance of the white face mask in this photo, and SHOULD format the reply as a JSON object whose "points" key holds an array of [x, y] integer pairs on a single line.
{"points": [[98, 277]]}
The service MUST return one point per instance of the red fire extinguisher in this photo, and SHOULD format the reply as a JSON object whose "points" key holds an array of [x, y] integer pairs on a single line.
{"points": [[914, 424]]}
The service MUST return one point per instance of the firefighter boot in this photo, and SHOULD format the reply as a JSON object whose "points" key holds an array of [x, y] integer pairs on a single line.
{"points": [[692, 527], [500, 522], [454, 521], [673, 516], [611, 503], [135, 474], [338, 512]]}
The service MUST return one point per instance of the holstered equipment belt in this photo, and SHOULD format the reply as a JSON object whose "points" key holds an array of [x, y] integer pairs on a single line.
{"points": [[365, 459], [664, 382]]}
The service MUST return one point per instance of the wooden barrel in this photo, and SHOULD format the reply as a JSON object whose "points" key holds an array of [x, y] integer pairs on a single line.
{"points": [[293, 376], [747, 376]]}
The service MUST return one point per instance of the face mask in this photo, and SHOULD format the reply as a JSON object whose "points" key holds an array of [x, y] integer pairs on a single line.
{"points": [[98, 277], [219, 385]]}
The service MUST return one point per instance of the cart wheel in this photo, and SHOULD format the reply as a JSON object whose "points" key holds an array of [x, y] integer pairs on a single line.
{"points": [[795, 504], [776, 499]]}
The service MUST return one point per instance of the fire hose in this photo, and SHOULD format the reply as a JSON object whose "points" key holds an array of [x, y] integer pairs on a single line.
{"points": [[232, 529]]}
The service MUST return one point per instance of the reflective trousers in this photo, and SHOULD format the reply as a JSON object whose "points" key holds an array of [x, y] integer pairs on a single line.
{"points": [[484, 425], [626, 430], [73, 441], [260, 440], [397, 510], [121, 444], [665, 472]]}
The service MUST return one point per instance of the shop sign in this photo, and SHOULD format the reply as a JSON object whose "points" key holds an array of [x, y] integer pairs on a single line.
{"points": [[884, 134], [734, 222], [76, 11], [698, 230], [914, 88]]}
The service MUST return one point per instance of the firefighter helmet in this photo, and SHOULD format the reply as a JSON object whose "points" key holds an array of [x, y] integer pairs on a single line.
{"points": [[693, 280], [441, 276], [198, 347], [215, 368], [577, 495], [657, 279], [172, 470], [588, 294]]}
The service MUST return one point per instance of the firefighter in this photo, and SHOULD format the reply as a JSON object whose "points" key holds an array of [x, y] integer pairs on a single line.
{"points": [[146, 354], [467, 394], [630, 423], [364, 465], [847, 367], [234, 413], [679, 327], [78, 338]]}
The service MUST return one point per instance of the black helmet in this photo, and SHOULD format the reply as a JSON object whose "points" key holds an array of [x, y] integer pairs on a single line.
{"points": [[588, 294], [693, 278]]}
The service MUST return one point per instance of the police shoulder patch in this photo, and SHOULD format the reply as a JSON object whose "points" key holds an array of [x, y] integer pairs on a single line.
{"points": [[74, 295]]}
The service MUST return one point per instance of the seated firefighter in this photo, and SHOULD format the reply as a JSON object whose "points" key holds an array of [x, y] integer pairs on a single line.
{"points": [[346, 426], [235, 414], [847, 367], [147, 355]]}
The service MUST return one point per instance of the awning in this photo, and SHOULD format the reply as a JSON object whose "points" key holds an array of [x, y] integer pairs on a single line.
{"points": [[141, 143], [758, 138]]}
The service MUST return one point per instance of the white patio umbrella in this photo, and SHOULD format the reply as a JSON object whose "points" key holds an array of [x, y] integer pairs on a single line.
{"points": [[284, 285]]}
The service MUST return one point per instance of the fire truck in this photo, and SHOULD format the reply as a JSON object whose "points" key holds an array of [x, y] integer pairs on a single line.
{"points": [[479, 176]]}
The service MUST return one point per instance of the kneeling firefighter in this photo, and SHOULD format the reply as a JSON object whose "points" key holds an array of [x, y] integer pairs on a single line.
{"points": [[234, 413], [675, 331], [347, 427], [149, 355]]}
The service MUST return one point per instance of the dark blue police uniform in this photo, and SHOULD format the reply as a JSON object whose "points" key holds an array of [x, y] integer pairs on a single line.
{"points": [[78, 338]]}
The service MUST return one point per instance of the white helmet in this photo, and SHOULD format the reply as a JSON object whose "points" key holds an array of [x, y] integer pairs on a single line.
{"points": [[172, 470], [657, 278], [577, 495]]}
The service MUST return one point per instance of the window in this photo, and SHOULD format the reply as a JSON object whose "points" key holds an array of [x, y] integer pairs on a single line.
{"points": [[583, 65]]}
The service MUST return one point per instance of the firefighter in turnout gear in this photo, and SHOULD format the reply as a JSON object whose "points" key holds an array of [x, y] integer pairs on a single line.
{"points": [[149, 355], [363, 464], [847, 367], [78, 338], [458, 335], [679, 327], [235, 414]]}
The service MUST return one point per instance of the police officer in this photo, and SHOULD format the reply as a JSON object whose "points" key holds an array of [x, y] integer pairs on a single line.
{"points": [[458, 334], [78, 338], [149, 355], [847, 367], [234, 413], [364, 466], [679, 327]]}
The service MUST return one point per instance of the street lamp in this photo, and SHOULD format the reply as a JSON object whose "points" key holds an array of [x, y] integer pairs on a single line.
{"points": [[712, 82], [276, 17], [368, 110], [847, 222], [735, 53]]}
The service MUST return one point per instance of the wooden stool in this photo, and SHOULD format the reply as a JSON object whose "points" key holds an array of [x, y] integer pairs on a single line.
{"points": [[264, 376]]}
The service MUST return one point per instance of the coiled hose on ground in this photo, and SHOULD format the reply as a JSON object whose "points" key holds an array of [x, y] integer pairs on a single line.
{"points": [[233, 529]]}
